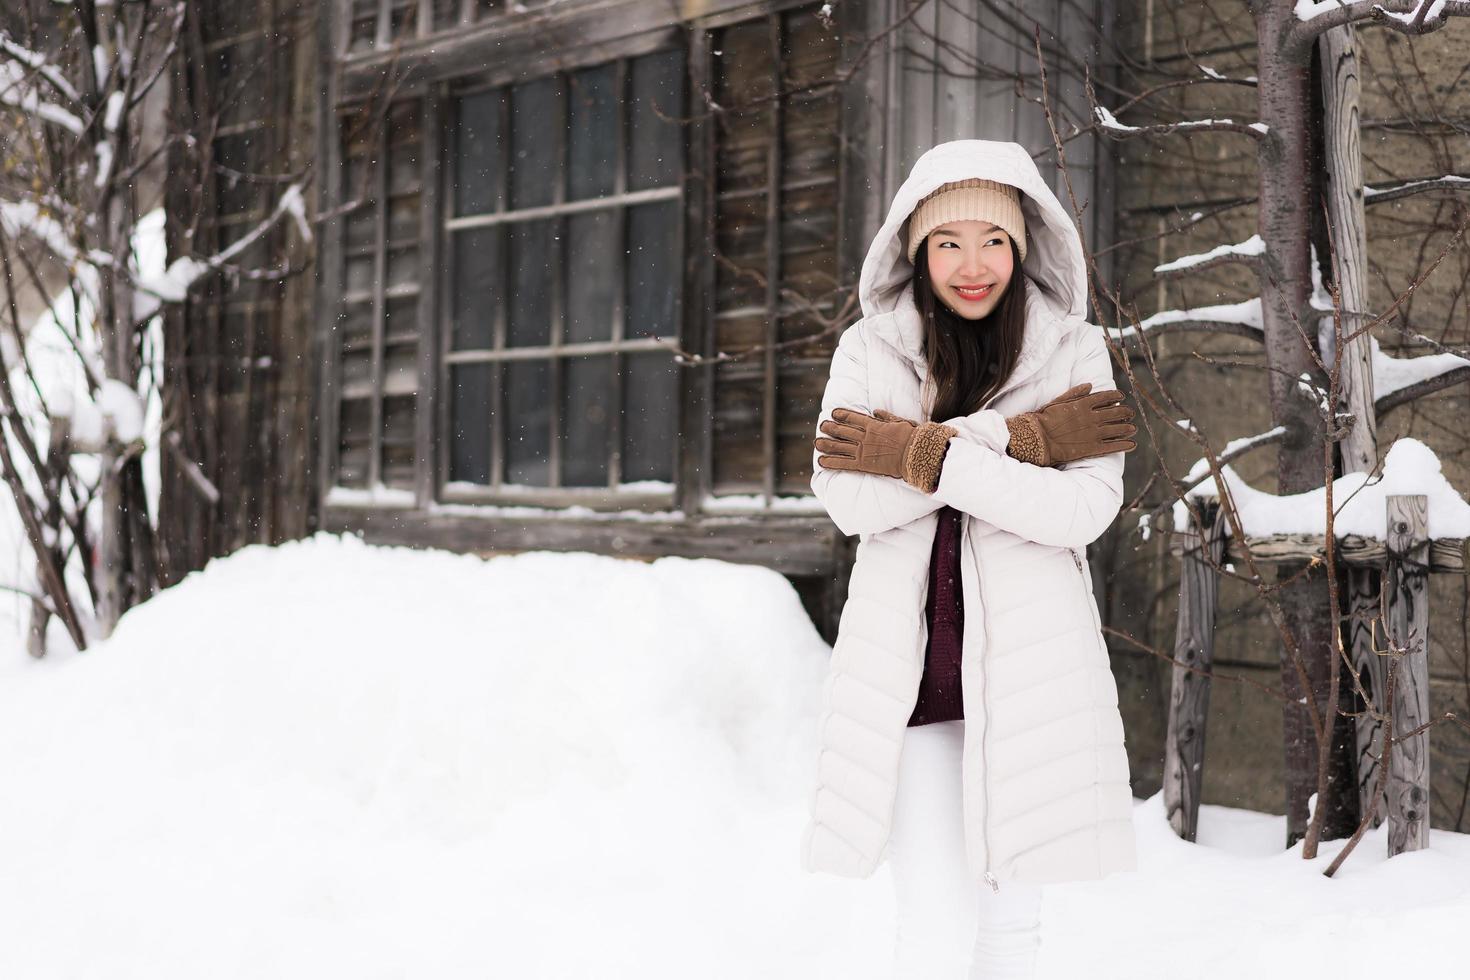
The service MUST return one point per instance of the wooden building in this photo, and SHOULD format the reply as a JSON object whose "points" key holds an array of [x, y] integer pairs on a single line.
{"points": [[586, 262], [581, 265]]}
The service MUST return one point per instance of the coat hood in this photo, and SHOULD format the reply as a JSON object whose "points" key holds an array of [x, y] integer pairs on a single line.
{"points": [[1054, 260], [1054, 264]]}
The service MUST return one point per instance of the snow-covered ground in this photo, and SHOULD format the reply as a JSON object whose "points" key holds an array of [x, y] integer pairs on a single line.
{"points": [[334, 760]]}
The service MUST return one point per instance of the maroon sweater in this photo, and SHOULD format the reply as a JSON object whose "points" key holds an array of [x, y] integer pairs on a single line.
{"points": [[940, 697]]}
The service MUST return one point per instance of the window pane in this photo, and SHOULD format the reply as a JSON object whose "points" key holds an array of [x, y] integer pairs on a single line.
{"points": [[399, 447], [527, 422], [651, 416], [469, 421], [401, 320], [651, 269], [588, 398], [477, 152], [361, 273], [403, 219], [533, 120], [655, 140], [739, 451], [531, 243], [592, 275], [355, 444], [403, 18], [364, 27], [592, 131], [476, 287], [360, 225], [403, 268], [745, 81], [446, 14]]}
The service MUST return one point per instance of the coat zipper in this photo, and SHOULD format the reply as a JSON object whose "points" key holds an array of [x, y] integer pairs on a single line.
{"points": [[985, 725], [985, 729]]}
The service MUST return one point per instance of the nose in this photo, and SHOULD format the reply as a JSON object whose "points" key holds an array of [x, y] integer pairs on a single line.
{"points": [[974, 265]]}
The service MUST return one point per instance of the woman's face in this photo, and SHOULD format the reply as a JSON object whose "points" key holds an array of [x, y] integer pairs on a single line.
{"points": [[970, 266]]}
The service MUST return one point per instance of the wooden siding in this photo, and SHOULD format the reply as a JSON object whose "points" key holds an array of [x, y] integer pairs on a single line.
{"points": [[238, 375], [777, 279], [964, 72]]}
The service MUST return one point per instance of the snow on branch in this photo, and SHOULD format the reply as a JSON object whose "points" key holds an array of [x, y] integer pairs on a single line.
{"points": [[174, 283], [1247, 252], [1397, 380], [1111, 126], [1378, 195], [1213, 75], [16, 90], [112, 117], [1316, 17], [37, 63], [1409, 467], [1241, 319], [25, 218], [1234, 449]]}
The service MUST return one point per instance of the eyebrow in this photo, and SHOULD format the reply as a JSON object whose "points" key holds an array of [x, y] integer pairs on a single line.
{"points": [[953, 235]]}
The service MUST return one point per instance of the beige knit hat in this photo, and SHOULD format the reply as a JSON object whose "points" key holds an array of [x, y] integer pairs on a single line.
{"points": [[975, 199]]}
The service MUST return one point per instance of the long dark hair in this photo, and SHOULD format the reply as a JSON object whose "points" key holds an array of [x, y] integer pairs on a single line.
{"points": [[969, 359]]}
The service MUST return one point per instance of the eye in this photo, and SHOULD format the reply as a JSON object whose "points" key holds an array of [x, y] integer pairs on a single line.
{"points": [[949, 245], [1001, 240]]}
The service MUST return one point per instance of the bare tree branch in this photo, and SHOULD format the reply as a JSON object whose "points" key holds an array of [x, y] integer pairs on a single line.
{"points": [[1323, 17]]}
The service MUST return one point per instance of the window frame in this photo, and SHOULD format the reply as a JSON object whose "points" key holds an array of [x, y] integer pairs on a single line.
{"points": [[381, 12], [557, 352], [848, 250], [436, 68]]}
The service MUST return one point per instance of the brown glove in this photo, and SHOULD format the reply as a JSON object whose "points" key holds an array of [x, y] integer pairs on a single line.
{"points": [[885, 445], [1074, 425]]}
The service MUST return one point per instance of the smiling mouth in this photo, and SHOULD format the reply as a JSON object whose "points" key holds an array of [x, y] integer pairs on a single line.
{"points": [[974, 292]]}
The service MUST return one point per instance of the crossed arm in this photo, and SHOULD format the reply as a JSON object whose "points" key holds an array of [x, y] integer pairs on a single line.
{"points": [[1068, 505]]}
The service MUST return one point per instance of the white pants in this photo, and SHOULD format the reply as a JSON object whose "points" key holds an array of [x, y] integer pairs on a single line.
{"points": [[950, 925]]}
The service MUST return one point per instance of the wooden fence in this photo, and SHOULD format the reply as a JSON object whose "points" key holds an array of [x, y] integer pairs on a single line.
{"points": [[1387, 579]]}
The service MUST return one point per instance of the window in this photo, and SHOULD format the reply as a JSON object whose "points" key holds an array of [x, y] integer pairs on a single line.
{"points": [[563, 238], [379, 23], [776, 234], [379, 313]]}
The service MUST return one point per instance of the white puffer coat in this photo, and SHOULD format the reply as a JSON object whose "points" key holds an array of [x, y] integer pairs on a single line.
{"points": [[1046, 789]]}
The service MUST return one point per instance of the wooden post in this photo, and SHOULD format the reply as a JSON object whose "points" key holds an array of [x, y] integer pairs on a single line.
{"points": [[1194, 646], [1372, 670], [1359, 448], [1344, 164], [1405, 582]]}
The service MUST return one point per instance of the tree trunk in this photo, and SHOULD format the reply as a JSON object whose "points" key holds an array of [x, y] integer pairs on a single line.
{"points": [[1284, 220]]}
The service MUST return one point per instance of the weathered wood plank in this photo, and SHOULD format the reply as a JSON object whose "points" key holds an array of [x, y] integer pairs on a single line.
{"points": [[1189, 700], [916, 87], [1445, 554], [955, 82], [433, 275], [1407, 598], [695, 459], [1362, 604], [1348, 227], [790, 545]]}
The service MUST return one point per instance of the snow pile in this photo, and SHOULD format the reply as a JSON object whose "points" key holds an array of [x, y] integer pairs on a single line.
{"points": [[1236, 905], [329, 759], [335, 760]]}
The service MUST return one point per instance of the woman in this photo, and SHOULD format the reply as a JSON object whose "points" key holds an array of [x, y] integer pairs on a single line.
{"points": [[971, 435]]}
